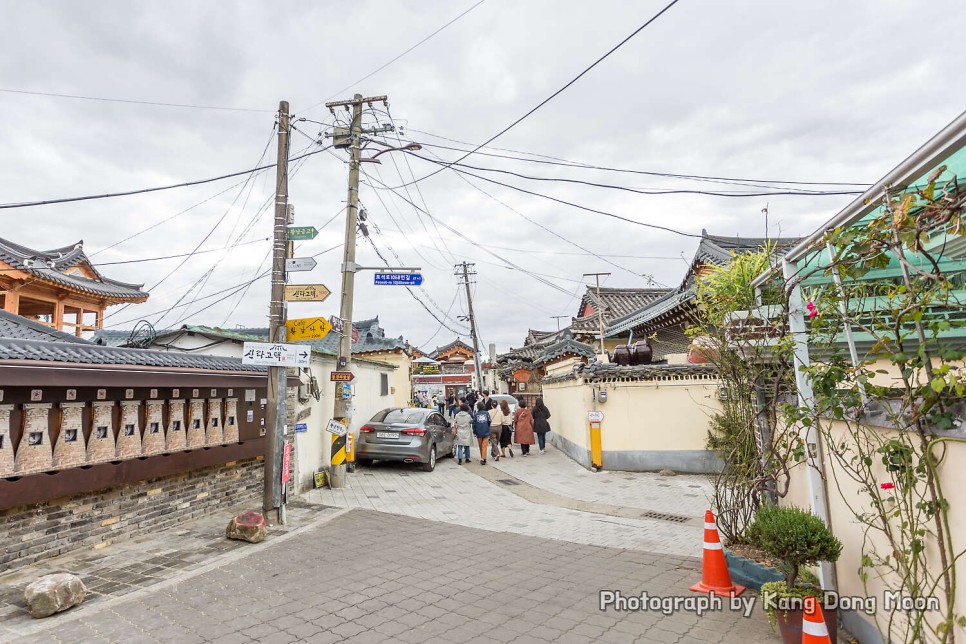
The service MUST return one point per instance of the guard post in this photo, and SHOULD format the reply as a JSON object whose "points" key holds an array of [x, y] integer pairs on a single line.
{"points": [[339, 429]]}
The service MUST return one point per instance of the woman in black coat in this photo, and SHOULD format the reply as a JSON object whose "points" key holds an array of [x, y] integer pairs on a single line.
{"points": [[540, 425]]}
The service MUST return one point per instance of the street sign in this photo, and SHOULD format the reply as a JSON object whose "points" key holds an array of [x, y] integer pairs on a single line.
{"points": [[341, 376], [337, 428], [595, 416], [301, 427], [307, 328], [346, 391], [297, 264], [398, 279], [337, 324], [267, 354], [301, 233], [306, 292]]}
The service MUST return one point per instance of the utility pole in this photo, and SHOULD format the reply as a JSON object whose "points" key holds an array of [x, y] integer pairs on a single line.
{"points": [[277, 376], [469, 305], [558, 318], [342, 406], [600, 308]]}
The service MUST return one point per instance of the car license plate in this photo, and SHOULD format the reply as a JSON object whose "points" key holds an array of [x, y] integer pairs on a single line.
{"points": [[387, 434]]}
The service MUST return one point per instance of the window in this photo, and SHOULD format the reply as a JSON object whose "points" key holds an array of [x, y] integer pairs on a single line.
{"points": [[383, 384], [231, 421], [196, 423], [176, 425], [154, 428], [35, 438], [102, 432], [1, 440], [214, 422], [129, 429], [70, 436], [409, 415]]}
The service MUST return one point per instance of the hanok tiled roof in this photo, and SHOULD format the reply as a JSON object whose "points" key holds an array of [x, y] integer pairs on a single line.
{"points": [[716, 249], [618, 301], [17, 327], [457, 343], [598, 372], [566, 347], [72, 352], [49, 266], [672, 303]]}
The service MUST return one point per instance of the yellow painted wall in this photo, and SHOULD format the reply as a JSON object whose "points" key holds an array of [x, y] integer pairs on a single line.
{"points": [[843, 493], [638, 416]]}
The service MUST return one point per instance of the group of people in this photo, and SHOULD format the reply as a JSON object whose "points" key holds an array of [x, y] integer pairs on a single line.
{"points": [[493, 426]]}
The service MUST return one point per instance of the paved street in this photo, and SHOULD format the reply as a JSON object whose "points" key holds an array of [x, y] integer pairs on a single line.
{"points": [[471, 553], [412, 580]]}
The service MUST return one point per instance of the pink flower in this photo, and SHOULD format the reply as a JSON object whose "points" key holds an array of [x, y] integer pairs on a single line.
{"points": [[887, 486], [812, 311]]}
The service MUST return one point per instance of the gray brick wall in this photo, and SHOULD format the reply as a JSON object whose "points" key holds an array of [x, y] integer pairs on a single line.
{"points": [[98, 519]]}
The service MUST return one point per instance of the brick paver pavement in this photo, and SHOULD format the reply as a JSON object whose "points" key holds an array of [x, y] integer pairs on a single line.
{"points": [[405, 579]]}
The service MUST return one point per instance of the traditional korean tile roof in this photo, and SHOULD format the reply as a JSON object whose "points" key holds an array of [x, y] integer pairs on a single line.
{"points": [[457, 343], [75, 353], [566, 347], [17, 327], [618, 301], [50, 266], [598, 372]]}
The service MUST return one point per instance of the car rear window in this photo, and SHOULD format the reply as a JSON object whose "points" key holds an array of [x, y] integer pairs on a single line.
{"points": [[400, 416]]}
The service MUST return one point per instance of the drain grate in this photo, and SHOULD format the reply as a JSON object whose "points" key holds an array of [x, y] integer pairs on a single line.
{"points": [[508, 481], [673, 518]]}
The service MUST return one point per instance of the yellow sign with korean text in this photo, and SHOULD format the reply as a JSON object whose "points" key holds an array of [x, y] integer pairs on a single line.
{"points": [[306, 292], [307, 329]]}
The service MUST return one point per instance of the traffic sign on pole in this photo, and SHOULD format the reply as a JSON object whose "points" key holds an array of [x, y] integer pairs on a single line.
{"points": [[276, 355], [337, 324], [307, 328], [341, 376], [398, 279], [301, 233], [306, 292], [297, 264]]}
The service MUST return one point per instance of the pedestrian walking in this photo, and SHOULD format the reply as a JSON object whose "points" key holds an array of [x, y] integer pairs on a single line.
{"points": [[463, 429], [540, 425], [496, 428], [481, 429], [506, 434], [471, 399], [523, 426], [451, 401]]}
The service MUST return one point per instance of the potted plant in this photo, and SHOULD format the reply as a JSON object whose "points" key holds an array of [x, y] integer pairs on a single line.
{"points": [[796, 538]]}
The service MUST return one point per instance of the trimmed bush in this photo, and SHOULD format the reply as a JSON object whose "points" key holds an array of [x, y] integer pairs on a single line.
{"points": [[795, 536]]}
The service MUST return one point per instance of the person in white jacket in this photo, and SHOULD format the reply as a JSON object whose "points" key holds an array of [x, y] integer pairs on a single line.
{"points": [[463, 428]]}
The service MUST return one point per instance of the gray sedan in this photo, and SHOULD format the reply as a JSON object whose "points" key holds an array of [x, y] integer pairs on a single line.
{"points": [[407, 434]]}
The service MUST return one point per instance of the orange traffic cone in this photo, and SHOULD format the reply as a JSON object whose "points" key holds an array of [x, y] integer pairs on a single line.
{"points": [[814, 630], [715, 577]]}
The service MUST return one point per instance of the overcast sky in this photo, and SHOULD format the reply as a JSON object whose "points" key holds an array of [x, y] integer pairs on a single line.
{"points": [[764, 90]]}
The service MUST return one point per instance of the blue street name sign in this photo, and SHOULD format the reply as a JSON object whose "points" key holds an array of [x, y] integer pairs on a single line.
{"points": [[398, 279], [301, 427]]}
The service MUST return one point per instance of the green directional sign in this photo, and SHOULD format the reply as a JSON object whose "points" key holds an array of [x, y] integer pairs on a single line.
{"points": [[301, 233]]}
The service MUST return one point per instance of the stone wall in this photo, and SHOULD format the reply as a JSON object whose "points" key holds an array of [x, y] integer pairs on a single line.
{"points": [[99, 519]]}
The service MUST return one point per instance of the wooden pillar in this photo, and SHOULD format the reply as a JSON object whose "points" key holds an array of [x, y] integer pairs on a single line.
{"points": [[79, 329], [11, 302], [100, 319], [59, 314]]}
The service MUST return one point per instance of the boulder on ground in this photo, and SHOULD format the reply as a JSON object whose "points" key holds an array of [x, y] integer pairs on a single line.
{"points": [[247, 526], [54, 593]]}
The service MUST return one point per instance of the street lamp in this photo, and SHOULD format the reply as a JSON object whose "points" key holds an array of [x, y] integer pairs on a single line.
{"points": [[412, 147]]}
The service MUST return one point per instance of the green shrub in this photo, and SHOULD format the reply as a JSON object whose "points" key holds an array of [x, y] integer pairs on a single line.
{"points": [[795, 536]]}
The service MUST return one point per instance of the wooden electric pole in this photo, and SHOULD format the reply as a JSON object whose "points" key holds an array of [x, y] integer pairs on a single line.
{"points": [[277, 376], [600, 309], [469, 305]]}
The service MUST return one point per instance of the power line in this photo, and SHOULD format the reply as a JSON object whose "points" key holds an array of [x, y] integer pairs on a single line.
{"points": [[557, 161], [29, 204], [559, 91], [136, 102], [382, 67], [156, 259]]}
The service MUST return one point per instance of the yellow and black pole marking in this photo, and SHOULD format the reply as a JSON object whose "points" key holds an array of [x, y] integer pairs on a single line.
{"points": [[338, 445]]}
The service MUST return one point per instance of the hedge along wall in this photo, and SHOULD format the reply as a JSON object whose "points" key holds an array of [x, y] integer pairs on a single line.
{"points": [[99, 519]]}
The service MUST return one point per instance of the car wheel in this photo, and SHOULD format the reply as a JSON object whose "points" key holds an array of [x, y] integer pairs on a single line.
{"points": [[431, 465], [365, 462]]}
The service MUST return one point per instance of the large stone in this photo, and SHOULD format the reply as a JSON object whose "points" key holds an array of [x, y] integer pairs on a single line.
{"points": [[247, 526], [54, 593]]}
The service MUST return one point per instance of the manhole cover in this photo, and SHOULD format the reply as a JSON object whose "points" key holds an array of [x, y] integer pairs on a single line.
{"points": [[508, 481]]}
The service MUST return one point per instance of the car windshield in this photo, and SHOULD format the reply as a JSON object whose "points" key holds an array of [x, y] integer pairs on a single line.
{"points": [[388, 416]]}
